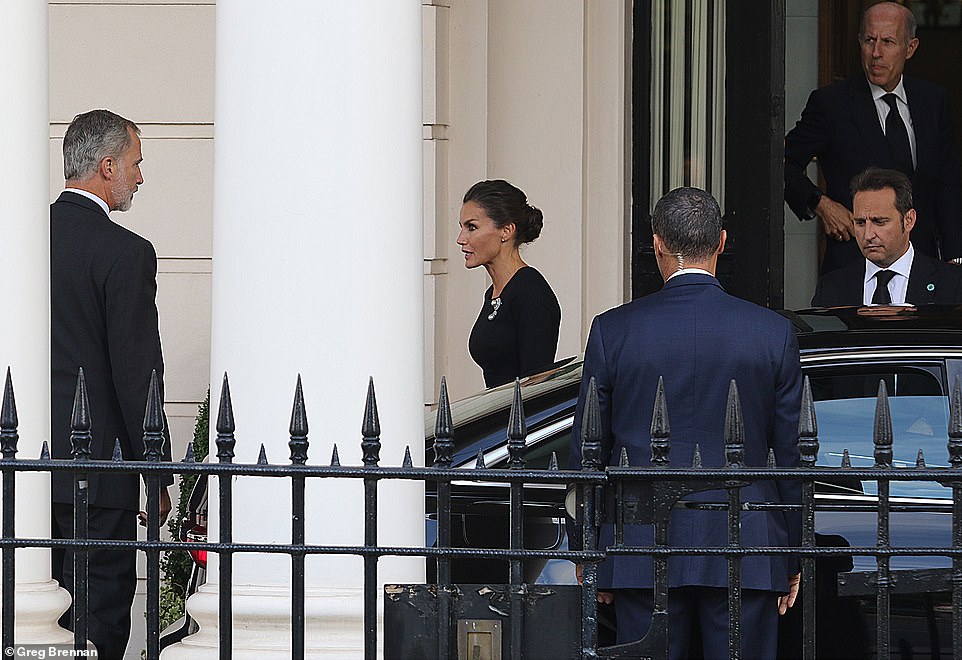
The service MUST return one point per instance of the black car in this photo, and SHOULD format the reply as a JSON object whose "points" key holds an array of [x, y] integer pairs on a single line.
{"points": [[845, 352]]}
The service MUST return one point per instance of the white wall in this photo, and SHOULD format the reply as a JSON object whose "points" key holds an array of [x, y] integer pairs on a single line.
{"points": [[536, 95]]}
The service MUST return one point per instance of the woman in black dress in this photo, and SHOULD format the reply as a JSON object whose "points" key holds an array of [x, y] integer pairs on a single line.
{"points": [[516, 333]]}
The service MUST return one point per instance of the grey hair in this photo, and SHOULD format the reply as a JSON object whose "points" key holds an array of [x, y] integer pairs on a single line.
{"points": [[689, 222], [907, 14], [91, 137]]}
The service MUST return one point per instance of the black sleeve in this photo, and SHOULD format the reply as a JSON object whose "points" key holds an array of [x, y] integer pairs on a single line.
{"points": [[133, 338], [539, 322], [808, 139]]}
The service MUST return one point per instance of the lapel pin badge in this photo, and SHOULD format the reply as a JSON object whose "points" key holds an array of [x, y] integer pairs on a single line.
{"points": [[930, 287]]}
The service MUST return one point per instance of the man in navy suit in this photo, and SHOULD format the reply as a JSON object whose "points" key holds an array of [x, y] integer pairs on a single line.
{"points": [[850, 125], [103, 318], [893, 271], [698, 338]]}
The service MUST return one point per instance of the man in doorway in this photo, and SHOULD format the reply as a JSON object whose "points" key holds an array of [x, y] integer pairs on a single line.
{"points": [[103, 318], [698, 338], [893, 271], [884, 119]]}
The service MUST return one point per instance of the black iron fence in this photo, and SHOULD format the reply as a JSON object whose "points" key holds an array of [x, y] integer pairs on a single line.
{"points": [[622, 495]]}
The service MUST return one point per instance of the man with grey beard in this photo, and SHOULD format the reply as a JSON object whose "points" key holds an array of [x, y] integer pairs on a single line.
{"points": [[103, 319]]}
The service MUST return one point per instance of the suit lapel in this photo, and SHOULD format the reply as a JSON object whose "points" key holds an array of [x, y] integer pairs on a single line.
{"points": [[865, 118], [921, 287], [924, 123]]}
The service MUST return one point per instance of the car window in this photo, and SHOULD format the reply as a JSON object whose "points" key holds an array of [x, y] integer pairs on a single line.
{"points": [[845, 401]]}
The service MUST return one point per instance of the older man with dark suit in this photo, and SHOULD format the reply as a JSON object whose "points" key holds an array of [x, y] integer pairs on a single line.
{"points": [[893, 271], [698, 338], [103, 319], [851, 125]]}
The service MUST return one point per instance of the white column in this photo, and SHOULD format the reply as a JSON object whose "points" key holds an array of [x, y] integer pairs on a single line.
{"points": [[317, 271], [24, 292]]}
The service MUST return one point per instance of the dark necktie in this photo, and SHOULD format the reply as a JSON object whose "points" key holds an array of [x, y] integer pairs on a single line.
{"points": [[881, 295], [898, 137]]}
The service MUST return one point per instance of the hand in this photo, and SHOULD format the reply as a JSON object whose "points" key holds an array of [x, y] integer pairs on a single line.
{"points": [[786, 601], [605, 597], [836, 219], [165, 508]]}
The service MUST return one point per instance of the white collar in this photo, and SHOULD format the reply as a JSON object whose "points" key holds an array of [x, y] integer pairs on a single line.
{"points": [[901, 266], [687, 271], [89, 195], [899, 91]]}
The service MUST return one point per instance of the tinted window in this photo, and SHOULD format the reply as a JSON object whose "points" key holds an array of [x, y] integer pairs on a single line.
{"points": [[845, 402]]}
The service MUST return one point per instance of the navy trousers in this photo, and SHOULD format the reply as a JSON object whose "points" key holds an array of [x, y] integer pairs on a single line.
{"points": [[704, 608]]}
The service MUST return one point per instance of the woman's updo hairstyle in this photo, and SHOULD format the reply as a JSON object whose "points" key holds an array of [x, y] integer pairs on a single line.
{"points": [[505, 204]]}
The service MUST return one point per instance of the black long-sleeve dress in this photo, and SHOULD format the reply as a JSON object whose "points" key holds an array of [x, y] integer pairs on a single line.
{"points": [[516, 334]]}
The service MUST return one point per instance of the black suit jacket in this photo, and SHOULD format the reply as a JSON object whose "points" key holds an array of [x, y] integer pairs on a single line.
{"points": [[840, 127], [103, 317], [930, 282]]}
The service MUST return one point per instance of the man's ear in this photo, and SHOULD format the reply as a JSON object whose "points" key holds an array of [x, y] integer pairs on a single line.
{"points": [[909, 219], [107, 167], [910, 51], [658, 244], [722, 237]]}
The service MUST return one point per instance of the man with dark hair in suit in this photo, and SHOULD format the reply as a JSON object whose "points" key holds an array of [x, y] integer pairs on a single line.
{"points": [[699, 339], [103, 318], [892, 272], [884, 119]]}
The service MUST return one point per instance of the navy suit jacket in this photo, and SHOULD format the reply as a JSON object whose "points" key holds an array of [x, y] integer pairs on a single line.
{"points": [[103, 318], [698, 338], [840, 127], [930, 282]]}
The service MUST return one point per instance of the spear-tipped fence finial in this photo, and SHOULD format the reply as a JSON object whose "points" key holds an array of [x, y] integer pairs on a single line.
{"points": [[807, 428], [443, 430], [8, 421], [660, 428], [591, 430], [154, 421], [407, 462], [479, 461], [80, 436], [118, 454], [734, 429], [262, 456], [623, 458], [370, 429], [225, 425], [882, 434], [189, 456], [298, 429], [335, 459], [517, 429], [846, 459]]}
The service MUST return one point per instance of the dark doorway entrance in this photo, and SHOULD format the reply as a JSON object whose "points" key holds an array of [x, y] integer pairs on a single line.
{"points": [[708, 111]]}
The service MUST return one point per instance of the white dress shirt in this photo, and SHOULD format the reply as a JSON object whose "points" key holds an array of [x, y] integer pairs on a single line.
{"points": [[883, 110], [89, 195], [898, 285], [685, 271]]}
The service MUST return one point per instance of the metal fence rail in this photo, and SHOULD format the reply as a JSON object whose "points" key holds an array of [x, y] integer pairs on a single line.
{"points": [[622, 495]]}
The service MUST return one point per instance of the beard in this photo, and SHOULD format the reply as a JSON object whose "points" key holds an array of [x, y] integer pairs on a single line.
{"points": [[123, 194]]}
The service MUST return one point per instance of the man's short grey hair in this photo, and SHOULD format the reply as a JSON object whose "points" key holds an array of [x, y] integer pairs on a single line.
{"points": [[91, 137], [910, 23], [689, 223]]}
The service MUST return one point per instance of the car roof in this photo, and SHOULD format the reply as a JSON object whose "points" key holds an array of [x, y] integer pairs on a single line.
{"points": [[877, 326]]}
